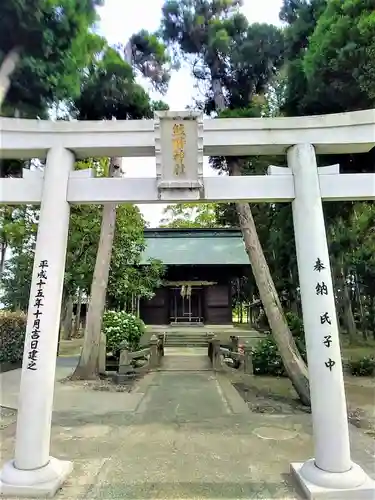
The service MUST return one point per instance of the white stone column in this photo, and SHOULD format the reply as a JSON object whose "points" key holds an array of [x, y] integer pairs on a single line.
{"points": [[34, 472], [332, 467]]}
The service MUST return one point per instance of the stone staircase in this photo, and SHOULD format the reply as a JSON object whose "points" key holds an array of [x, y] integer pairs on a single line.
{"points": [[187, 337]]}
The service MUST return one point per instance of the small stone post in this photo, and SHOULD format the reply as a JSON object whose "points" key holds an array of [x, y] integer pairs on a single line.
{"points": [[234, 343], [154, 356], [124, 362], [216, 365], [124, 366], [248, 361], [161, 343]]}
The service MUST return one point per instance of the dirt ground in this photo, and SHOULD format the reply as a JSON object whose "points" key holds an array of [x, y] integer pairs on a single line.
{"points": [[276, 396]]}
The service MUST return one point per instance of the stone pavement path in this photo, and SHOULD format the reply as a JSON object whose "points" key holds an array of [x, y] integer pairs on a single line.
{"points": [[179, 435], [191, 439], [186, 359]]}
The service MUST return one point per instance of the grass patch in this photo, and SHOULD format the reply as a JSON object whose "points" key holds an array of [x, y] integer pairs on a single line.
{"points": [[357, 351], [243, 326]]}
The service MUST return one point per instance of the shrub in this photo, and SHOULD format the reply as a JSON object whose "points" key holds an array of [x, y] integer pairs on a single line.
{"points": [[363, 367], [267, 360], [12, 336], [295, 324], [119, 326], [266, 357]]}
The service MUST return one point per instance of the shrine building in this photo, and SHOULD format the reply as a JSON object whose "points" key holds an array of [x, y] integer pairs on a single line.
{"points": [[201, 265]]}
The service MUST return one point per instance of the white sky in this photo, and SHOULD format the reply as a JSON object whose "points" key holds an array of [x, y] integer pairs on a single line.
{"points": [[119, 20]]}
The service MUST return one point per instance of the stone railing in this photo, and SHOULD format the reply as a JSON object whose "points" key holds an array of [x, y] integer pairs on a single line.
{"points": [[152, 355], [241, 360]]}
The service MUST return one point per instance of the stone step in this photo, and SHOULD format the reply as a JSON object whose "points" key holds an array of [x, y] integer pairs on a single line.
{"points": [[185, 343], [199, 337], [189, 338]]}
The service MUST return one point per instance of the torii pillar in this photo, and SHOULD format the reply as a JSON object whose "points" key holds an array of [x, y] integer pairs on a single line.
{"points": [[33, 472], [331, 474]]}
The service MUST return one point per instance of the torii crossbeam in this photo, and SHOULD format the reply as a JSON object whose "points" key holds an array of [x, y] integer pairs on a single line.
{"points": [[178, 141]]}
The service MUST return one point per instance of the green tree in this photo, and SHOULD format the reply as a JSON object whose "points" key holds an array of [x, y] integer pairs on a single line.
{"points": [[301, 17], [341, 51], [44, 48], [329, 71], [16, 281], [190, 215], [237, 61], [15, 224], [126, 278], [110, 91], [330, 48]]}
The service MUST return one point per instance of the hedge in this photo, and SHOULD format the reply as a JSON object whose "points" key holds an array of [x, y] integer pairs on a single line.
{"points": [[12, 336]]}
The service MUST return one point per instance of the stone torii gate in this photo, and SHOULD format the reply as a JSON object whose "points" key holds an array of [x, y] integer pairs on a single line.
{"points": [[179, 141]]}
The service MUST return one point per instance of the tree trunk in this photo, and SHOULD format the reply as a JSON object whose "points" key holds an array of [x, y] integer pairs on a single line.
{"points": [[348, 315], [77, 321], [86, 313], [218, 94], [6, 70], [68, 319], [362, 321], [3, 251], [88, 366], [293, 362]]}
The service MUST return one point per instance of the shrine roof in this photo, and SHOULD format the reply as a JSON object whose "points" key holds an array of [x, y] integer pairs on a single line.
{"points": [[178, 247]]}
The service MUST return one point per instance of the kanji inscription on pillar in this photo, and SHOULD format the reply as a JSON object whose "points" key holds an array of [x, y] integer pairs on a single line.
{"points": [[37, 313], [321, 289], [179, 154]]}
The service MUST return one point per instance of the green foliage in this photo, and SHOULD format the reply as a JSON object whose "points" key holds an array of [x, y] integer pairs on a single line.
{"points": [[266, 357], [330, 69], [190, 215], [12, 336], [364, 367], [226, 50], [151, 59], [119, 326], [18, 232], [267, 360], [16, 281], [295, 324], [126, 277], [330, 49], [253, 63], [55, 43], [341, 51], [109, 90]]}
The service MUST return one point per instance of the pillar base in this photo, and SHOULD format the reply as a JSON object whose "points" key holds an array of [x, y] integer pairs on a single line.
{"points": [[43, 482], [321, 485]]}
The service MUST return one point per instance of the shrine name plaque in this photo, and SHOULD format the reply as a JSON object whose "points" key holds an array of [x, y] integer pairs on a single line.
{"points": [[179, 155]]}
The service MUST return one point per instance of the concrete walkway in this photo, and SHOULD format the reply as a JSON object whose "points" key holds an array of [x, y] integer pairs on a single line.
{"points": [[178, 435], [185, 359]]}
